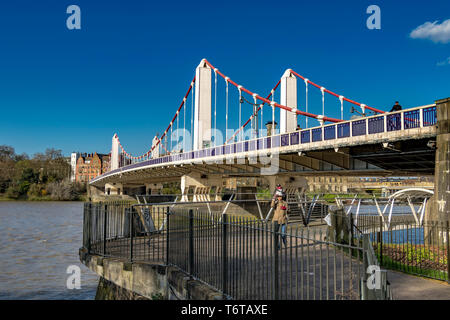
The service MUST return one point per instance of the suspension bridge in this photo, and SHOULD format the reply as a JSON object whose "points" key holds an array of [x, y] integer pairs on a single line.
{"points": [[244, 134], [199, 151]]}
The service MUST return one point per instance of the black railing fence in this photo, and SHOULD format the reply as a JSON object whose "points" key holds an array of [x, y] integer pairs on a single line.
{"points": [[415, 247], [242, 256]]}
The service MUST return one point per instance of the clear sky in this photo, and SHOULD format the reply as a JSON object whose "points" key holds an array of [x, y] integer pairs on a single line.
{"points": [[129, 66]]}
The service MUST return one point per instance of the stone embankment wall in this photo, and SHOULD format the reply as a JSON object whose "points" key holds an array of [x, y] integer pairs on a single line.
{"points": [[121, 280]]}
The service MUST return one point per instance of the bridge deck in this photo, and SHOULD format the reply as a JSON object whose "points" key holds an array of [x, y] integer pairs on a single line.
{"points": [[406, 125]]}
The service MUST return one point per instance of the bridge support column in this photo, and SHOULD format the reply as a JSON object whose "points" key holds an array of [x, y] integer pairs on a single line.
{"points": [[113, 189], [441, 197], [153, 188], [202, 112], [288, 97], [200, 186], [438, 206]]}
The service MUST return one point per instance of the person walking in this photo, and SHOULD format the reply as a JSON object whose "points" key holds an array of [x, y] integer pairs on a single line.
{"points": [[395, 119], [280, 217], [278, 191], [396, 107]]}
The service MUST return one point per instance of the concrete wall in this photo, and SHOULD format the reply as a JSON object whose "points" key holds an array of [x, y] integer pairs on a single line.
{"points": [[144, 281]]}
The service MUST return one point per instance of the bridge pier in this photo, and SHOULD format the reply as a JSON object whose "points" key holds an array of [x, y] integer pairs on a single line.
{"points": [[200, 186], [153, 188], [114, 189], [441, 197], [438, 207]]}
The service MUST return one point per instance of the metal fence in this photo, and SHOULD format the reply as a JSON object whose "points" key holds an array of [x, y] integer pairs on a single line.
{"points": [[420, 248], [243, 257], [122, 230]]}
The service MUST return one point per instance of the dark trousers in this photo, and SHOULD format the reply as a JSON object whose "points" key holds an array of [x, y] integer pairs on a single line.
{"points": [[283, 233]]}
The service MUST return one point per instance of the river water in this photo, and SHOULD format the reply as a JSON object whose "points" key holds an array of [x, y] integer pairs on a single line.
{"points": [[38, 242]]}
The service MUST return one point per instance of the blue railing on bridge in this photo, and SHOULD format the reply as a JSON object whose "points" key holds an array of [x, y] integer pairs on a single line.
{"points": [[359, 127], [329, 132], [306, 136], [376, 125], [401, 120], [343, 130]]}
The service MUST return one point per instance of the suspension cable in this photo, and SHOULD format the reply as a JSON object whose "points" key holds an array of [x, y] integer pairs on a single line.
{"points": [[276, 104], [192, 122], [184, 126], [248, 121], [160, 141], [306, 86], [240, 107], [215, 106], [336, 95]]}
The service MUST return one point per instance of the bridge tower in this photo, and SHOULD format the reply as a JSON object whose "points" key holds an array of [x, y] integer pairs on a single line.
{"points": [[115, 153], [202, 111], [288, 97], [155, 152]]}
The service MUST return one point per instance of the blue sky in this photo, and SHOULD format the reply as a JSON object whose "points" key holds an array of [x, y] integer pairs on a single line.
{"points": [[129, 66]]}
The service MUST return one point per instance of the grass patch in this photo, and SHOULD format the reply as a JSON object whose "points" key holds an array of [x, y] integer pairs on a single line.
{"points": [[419, 260]]}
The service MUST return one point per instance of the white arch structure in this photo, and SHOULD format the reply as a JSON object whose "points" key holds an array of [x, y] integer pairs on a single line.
{"points": [[408, 194]]}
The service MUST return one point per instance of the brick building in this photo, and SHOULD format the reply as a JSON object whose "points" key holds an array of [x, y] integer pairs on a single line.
{"points": [[90, 166]]}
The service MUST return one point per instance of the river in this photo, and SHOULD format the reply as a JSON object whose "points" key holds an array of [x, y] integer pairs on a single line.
{"points": [[39, 241]]}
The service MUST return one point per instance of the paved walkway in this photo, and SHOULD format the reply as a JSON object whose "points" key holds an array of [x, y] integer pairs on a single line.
{"points": [[408, 287]]}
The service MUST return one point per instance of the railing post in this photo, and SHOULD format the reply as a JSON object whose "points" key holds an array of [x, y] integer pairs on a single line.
{"points": [[167, 235], [381, 241], [89, 235], [104, 228], [402, 120], [131, 233], [224, 254], [351, 229], [86, 218], [336, 131], [191, 241], [421, 118], [448, 253], [275, 274]]}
